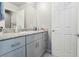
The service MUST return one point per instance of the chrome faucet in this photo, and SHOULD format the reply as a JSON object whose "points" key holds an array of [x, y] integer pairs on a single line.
{"points": [[1, 28], [35, 28]]}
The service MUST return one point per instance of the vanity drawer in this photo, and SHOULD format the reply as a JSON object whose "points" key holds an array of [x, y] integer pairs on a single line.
{"points": [[34, 37], [12, 44]]}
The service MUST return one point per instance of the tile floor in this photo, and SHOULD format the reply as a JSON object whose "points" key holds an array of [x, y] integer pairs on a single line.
{"points": [[47, 55]]}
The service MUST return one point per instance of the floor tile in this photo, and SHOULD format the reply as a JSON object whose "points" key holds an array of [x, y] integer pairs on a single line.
{"points": [[47, 55]]}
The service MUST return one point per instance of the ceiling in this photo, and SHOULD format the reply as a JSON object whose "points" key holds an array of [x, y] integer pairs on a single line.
{"points": [[18, 3]]}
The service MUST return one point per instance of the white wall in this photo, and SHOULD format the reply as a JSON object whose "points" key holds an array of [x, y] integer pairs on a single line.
{"points": [[44, 18], [10, 6], [43, 15], [30, 15]]}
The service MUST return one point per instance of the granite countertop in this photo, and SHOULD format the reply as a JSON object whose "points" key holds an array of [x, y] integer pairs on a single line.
{"points": [[4, 36]]}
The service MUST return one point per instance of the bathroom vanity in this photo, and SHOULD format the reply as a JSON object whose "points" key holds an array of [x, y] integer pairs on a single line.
{"points": [[23, 44]]}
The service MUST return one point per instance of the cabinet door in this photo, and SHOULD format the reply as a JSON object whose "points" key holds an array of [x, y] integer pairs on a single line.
{"points": [[38, 48], [16, 53], [44, 41], [43, 45], [31, 50], [34, 49]]}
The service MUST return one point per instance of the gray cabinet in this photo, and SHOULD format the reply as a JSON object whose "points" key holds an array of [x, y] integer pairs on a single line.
{"points": [[31, 49], [16, 53], [34, 49], [43, 45], [10, 45], [37, 47], [45, 38], [33, 46]]}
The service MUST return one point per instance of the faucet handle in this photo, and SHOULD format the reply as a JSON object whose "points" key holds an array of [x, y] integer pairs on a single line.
{"points": [[35, 28]]}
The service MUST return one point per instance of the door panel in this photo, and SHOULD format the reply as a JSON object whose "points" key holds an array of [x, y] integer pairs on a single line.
{"points": [[70, 45], [64, 20], [58, 45], [64, 29]]}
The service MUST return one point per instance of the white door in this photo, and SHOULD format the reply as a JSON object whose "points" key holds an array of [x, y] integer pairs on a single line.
{"points": [[64, 29]]}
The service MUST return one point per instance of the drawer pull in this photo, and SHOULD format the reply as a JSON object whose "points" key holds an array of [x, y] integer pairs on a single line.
{"points": [[36, 45], [14, 45]]}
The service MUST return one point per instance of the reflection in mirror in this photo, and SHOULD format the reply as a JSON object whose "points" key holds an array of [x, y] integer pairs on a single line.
{"points": [[1, 11], [1, 16], [7, 19]]}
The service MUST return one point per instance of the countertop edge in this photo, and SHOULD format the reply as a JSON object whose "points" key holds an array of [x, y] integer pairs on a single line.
{"points": [[12, 37]]}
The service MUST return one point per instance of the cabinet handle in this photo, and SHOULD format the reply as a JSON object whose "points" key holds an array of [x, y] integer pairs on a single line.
{"points": [[36, 45], [53, 30], [77, 35], [16, 44]]}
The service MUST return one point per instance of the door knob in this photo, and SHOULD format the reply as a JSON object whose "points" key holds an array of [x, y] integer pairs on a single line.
{"points": [[77, 35], [53, 30]]}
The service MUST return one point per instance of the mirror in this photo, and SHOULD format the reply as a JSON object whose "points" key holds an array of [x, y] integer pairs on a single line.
{"points": [[20, 15], [27, 15]]}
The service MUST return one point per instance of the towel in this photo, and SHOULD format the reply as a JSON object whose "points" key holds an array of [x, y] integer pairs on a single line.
{"points": [[1, 11]]}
